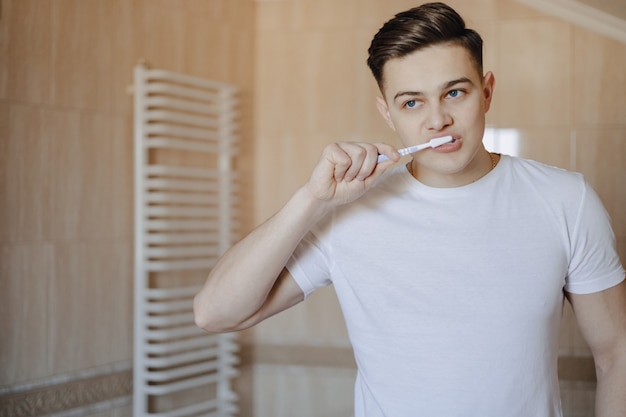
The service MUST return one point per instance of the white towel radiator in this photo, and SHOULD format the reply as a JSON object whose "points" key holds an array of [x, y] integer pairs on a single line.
{"points": [[185, 206]]}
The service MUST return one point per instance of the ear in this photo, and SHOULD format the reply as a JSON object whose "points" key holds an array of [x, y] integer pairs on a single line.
{"points": [[383, 109], [489, 83]]}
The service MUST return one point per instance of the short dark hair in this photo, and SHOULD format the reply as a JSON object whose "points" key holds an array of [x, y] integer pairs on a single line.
{"points": [[426, 25]]}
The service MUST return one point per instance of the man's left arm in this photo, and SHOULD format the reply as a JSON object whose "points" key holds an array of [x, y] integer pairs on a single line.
{"points": [[601, 318]]}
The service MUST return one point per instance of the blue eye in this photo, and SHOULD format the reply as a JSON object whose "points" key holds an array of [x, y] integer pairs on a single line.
{"points": [[454, 93], [411, 104]]}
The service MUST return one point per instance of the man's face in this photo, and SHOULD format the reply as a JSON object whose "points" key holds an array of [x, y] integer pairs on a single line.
{"points": [[436, 92]]}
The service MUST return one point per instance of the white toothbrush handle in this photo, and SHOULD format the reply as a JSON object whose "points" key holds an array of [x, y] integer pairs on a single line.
{"points": [[406, 151], [433, 143]]}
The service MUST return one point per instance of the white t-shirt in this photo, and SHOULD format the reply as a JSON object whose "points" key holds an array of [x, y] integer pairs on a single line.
{"points": [[453, 296]]}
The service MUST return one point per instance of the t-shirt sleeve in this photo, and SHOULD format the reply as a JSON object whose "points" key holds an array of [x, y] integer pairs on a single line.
{"points": [[309, 265], [595, 264]]}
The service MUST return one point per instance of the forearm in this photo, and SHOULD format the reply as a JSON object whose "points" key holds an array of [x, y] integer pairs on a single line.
{"points": [[239, 284], [611, 389]]}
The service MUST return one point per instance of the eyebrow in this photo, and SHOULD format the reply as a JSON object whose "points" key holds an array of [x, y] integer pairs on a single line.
{"points": [[443, 87]]}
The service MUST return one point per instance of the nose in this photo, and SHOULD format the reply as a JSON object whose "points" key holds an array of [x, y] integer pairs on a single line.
{"points": [[438, 117]]}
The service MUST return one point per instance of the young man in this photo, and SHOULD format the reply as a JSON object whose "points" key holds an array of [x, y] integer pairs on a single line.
{"points": [[451, 271]]}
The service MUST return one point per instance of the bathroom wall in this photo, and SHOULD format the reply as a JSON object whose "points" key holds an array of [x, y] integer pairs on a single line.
{"points": [[66, 182], [560, 90], [66, 169]]}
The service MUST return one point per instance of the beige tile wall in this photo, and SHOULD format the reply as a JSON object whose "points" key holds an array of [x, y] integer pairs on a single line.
{"points": [[332, 388], [66, 171]]}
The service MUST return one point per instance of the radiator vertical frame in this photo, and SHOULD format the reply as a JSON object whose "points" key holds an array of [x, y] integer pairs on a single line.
{"points": [[141, 277]]}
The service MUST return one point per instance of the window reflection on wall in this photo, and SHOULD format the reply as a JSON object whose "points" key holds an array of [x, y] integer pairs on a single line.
{"points": [[505, 141]]}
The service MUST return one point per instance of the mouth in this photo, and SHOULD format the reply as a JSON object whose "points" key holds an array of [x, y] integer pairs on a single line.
{"points": [[452, 146]]}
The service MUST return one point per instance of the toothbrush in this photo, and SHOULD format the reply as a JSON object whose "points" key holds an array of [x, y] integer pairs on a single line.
{"points": [[433, 143]]}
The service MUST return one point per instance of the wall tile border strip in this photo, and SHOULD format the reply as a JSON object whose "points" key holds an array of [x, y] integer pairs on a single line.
{"points": [[299, 355], [78, 396]]}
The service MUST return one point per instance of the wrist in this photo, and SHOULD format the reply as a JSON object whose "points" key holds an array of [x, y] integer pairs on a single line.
{"points": [[310, 205]]}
